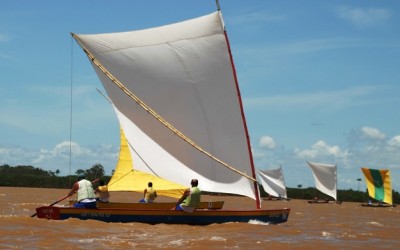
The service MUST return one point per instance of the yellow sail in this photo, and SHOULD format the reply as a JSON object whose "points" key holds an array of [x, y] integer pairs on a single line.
{"points": [[125, 178]]}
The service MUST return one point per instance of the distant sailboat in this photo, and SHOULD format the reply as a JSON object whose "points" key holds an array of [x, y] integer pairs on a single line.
{"points": [[325, 179], [273, 182], [379, 187]]}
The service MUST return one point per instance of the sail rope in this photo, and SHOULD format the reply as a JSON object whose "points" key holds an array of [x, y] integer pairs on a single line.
{"points": [[120, 178], [70, 115], [154, 113]]}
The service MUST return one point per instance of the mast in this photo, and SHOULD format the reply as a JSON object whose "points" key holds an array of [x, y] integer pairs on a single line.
{"points": [[336, 181], [218, 6], [258, 203]]}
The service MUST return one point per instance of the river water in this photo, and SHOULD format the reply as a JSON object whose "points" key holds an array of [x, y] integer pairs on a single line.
{"points": [[320, 226]]}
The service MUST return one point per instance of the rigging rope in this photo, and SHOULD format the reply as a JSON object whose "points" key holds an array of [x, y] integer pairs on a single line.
{"points": [[70, 117]]}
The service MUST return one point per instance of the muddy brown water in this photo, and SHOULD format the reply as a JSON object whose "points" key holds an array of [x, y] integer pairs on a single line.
{"points": [[310, 226]]}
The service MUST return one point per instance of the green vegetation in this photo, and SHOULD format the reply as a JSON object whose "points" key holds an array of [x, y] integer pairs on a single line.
{"points": [[28, 176]]}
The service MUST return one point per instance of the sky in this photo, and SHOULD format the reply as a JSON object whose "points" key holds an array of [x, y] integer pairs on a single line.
{"points": [[320, 82]]}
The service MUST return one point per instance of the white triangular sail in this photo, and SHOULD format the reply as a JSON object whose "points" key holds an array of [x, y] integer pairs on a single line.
{"points": [[184, 72], [273, 182], [325, 178]]}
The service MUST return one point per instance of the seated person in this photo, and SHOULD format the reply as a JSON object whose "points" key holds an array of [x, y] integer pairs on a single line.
{"points": [[190, 198], [149, 194], [102, 192], [84, 189]]}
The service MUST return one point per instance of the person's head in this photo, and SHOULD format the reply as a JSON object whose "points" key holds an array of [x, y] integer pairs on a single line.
{"points": [[101, 182], [81, 176], [150, 184], [194, 182]]}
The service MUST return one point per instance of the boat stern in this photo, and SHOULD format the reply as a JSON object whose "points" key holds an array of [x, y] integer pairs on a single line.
{"points": [[51, 213]]}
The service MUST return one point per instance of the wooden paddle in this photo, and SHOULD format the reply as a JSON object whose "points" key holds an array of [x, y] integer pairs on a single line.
{"points": [[52, 204]]}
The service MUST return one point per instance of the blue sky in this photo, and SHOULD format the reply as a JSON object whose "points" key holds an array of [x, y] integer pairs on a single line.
{"points": [[320, 81]]}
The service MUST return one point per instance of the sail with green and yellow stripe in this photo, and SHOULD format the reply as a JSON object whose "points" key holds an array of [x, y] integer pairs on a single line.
{"points": [[378, 184]]}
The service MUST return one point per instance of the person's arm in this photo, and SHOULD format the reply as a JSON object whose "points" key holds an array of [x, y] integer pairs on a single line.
{"points": [[74, 189], [185, 194], [144, 192]]}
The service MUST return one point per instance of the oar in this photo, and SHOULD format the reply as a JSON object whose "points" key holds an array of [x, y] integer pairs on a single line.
{"points": [[52, 204]]}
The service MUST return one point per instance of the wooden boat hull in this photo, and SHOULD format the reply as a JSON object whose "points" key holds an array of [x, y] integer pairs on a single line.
{"points": [[378, 205], [155, 205], [276, 199], [324, 202], [157, 216], [318, 201]]}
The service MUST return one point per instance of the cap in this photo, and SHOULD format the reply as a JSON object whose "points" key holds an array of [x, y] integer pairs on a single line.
{"points": [[81, 176]]}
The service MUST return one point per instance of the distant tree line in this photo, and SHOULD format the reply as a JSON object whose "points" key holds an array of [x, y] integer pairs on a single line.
{"points": [[29, 176]]}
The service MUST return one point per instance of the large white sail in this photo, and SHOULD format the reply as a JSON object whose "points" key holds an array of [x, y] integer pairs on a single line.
{"points": [[184, 73], [325, 178], [273, 182]]}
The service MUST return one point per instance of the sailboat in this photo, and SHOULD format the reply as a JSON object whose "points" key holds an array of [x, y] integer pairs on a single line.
{"points": [[379, 187], [175, 92], [273, 182], [325, 180]]}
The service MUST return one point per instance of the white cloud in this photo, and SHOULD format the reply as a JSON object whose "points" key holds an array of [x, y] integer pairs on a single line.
{"points": [[319, 149], [370, 147], [59, 157], [12, 154], [315, 45], [258, 154], [372, 133], [364, 16], [395, 141], [62, 150], [328, 99], [282, 49], [267, 142]]}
